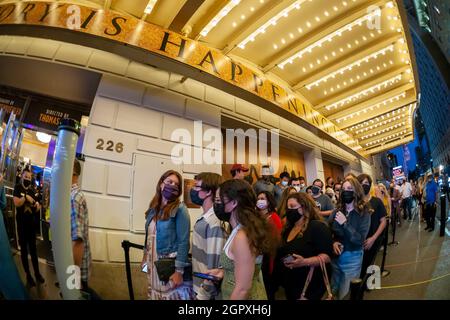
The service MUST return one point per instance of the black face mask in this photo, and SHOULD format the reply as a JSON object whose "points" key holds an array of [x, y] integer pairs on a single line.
{"points": [[315, 190], [26, 183], [347, 196], [292, 216], [195, 198], [366, 188], [219, 210]]}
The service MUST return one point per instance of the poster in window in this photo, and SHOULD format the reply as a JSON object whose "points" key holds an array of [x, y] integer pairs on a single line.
{"points": [[188, 185]]}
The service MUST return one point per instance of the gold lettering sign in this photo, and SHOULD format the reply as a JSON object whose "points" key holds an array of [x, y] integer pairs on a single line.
{"points": [[131, 31]]}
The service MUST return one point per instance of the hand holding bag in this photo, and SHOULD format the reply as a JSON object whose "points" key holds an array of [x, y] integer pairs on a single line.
{"points": [[322, 263]]}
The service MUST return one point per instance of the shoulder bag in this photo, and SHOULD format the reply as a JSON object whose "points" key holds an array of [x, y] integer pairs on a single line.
{"points": [[329, 294]]}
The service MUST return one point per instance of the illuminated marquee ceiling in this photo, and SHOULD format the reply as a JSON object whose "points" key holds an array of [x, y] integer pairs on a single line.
{"points": [[331, 52]]}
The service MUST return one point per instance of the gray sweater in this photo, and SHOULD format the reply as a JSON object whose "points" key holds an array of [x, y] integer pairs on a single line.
{"points": [[353, 233]]}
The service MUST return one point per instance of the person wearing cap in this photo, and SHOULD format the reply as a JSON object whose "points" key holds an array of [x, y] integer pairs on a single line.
{"points": [[238, 171]]}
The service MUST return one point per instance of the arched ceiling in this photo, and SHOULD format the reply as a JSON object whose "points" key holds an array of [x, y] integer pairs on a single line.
{"points": [[351, 59]]}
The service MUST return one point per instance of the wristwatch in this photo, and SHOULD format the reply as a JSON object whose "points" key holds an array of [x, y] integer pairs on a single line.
{"points": [[179, 270]]}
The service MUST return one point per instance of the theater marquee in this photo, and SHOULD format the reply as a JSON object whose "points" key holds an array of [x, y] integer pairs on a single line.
{"points": [[132, 31]]}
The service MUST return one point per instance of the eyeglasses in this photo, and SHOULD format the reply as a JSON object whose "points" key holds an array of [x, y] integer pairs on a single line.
{"points": [[171, 182]]}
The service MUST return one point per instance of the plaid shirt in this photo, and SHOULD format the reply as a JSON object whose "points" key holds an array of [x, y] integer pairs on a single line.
{"points": [[80, 227]]}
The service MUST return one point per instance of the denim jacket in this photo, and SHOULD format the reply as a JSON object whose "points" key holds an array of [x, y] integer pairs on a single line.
{"points": [[353, 233], [172, 235]]}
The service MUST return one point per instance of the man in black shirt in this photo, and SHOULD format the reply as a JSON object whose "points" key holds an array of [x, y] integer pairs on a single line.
{"points": [[26, 207], [375, 236]]}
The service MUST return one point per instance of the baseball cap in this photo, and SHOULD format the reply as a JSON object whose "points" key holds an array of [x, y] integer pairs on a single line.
{"points": [[241, 167]]}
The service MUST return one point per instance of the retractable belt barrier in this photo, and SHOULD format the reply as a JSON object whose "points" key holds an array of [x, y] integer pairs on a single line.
{"points": [[126, 245]]}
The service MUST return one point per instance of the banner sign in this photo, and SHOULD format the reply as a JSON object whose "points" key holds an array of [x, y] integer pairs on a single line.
{"points": [[11, 104], [48, 116], [131, 31]]}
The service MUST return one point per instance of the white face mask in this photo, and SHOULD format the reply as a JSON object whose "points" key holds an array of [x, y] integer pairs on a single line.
{"points": [[302, 185], [297, 188], [261, 204]]}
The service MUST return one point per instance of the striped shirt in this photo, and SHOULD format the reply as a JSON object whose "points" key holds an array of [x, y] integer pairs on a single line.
{"points": [[80, 227], [207, 243]]}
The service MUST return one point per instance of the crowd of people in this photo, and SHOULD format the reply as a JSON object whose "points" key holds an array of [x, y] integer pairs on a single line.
{"points": [[278, 238], [253, 240]]}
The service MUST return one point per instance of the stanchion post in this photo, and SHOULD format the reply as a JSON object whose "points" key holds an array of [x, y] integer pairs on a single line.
{"points": [[126, 248], [394, 227], [443, 215], [385, 273], [355, 289]]}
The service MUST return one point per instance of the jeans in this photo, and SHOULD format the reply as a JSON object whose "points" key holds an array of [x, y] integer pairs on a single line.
{"points": [[407, 214], [345, 268]]}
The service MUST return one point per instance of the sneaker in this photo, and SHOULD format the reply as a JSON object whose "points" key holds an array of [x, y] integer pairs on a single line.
{"points": [[39, 278], [30, 281]]}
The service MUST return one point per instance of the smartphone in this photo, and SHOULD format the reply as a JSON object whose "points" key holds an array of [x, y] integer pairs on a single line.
{"points": [[206, 276], [145, 268], [289, 258]]}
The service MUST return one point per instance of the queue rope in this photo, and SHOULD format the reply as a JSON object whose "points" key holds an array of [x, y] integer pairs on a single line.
{"points": [[415, 283]]}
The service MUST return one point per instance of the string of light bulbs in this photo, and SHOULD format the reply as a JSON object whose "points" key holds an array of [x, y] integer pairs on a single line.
{"points": [[330, 37], [351, 66], [219, 16], [271, 22], [395, 135], [382, 131], [365, 92], [371, 108]]}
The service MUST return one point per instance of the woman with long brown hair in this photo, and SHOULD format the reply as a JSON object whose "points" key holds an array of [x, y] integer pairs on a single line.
{"points": [[166, 247], [306, 238], [251, 237], [281, 210], [350, 225]]}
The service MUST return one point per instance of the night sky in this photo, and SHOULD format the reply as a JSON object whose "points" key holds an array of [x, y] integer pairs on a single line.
{"points": [[399, 153]]}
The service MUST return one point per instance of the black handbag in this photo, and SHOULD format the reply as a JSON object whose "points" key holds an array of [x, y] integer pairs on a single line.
{"points": [[165, 268]]}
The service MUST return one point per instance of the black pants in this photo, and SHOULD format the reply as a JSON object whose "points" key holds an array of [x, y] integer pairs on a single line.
{"points": [[27, 240], [267, 277], [371, 254], [430, 215]]}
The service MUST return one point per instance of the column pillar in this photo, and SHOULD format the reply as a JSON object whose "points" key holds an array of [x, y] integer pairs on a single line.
{"points": [[314, 166]]}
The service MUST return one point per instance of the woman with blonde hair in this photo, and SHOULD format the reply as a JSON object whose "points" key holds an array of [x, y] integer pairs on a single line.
{"points": [[350, 224], [306, 239], [382, 193]]}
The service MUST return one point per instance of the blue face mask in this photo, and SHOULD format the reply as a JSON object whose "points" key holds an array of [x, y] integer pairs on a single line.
{"points": [[195, 198], [284, 183]]}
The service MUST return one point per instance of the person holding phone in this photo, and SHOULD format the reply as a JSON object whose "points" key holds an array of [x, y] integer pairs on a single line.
{"points": [[305, 237], [167, 237], [208, 237], [251, 237], [350, 224]]}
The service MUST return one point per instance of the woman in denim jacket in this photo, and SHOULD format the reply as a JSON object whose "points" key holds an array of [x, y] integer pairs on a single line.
{"points": [[167, 235], [350, 224]]}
